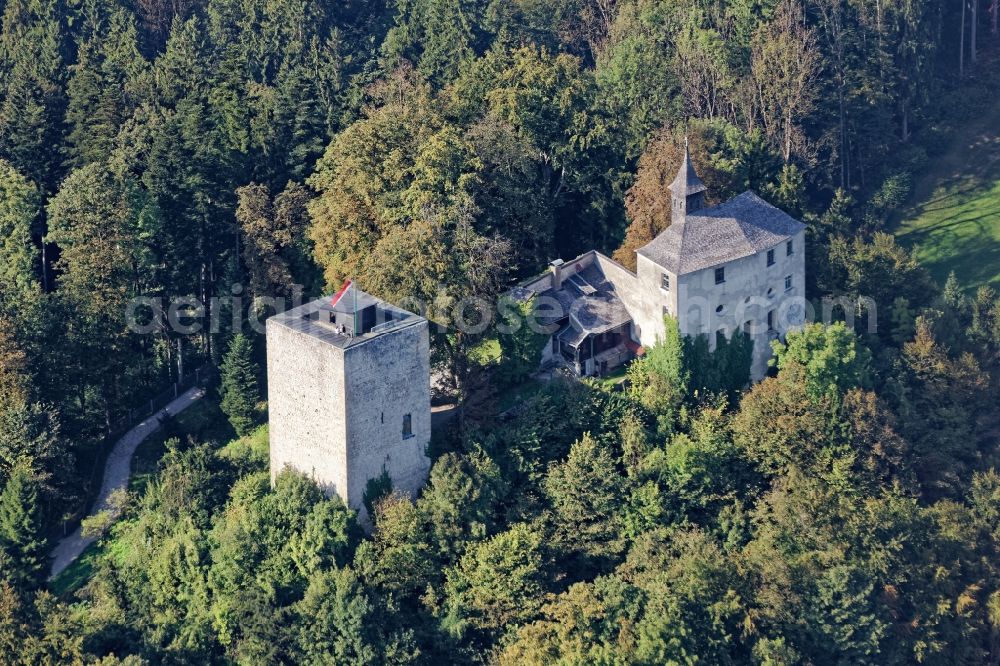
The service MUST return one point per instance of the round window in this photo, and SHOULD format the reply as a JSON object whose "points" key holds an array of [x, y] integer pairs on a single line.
{"points": [[770, 292], [719, 309]]}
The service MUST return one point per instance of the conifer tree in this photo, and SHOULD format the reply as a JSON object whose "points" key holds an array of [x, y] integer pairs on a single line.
{"points": [[952, 293], [32, 88], [104, 226], [22, 546], [239, 384], [585, 491], [100, 99], [20, 205]]}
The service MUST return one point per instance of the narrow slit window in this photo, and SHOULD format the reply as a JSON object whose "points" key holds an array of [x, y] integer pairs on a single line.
{"points": [[407, 426], [788, 282], [770, 257], [720, 275]]}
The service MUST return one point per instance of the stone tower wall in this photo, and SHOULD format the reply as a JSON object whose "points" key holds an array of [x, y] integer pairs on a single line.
{"points": [[388, 377], [306, 407], [336, 414]]}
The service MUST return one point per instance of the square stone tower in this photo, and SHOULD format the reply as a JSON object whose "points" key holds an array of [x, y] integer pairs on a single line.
{"points": [[349, 394]]}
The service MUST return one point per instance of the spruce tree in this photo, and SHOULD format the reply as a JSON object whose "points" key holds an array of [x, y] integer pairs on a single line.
{"points": [[952, 293], [32, 89], [108, 63], [22, 546], [239, 384], [20, 205]]}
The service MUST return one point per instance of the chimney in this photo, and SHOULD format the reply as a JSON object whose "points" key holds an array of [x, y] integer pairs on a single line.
{"points": [[556, 265]]}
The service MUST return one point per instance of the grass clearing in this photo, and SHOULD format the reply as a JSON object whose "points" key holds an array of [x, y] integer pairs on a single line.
{"points": [[486, 353], [73, 577], [614, 379], [953, 221], [203, 422]]}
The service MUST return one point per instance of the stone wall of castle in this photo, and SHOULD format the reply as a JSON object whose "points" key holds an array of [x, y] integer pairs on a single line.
{"points": [[387, 378], [306, 407], [337, 414]]}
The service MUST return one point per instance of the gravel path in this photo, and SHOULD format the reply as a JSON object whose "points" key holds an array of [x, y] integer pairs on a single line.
{"points": [[117, 470]]}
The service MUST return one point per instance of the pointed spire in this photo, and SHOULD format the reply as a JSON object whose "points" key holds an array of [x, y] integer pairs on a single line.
{"points": [[687, 190], [687, 181]]}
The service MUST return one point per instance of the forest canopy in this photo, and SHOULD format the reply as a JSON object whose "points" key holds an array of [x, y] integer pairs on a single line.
{"points": [[215, 154]]}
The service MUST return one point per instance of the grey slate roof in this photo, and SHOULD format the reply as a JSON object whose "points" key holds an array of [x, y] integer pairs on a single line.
{"points": [[687, 181], [571, 336], [744, 225], [589, 301], [597, 314]]}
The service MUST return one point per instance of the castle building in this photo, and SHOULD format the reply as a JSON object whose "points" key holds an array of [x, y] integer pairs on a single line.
{"points": [[737, 265], [349, 394], [349, 376]]}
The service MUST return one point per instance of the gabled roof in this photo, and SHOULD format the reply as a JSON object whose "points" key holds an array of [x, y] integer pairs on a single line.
{"points": [[744, 225]]}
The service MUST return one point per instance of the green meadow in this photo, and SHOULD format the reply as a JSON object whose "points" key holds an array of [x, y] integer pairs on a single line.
{"points": [[953, 220]]}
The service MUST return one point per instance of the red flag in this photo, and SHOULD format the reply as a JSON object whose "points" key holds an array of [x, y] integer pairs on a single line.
{"points": [[340, 294]]}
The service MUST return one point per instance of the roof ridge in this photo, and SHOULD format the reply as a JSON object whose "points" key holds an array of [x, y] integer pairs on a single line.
{"points": [[739, 227]]}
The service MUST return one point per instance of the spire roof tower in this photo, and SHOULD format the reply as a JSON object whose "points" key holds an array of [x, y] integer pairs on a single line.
{"points": [[687, 181], [687, 190]]}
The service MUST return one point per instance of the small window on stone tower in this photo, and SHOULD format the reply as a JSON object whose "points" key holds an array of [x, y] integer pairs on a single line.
{"points": [[407, 426], [788, 282], [665, 282], [770, 257], [720, 275], [789, 249]]}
